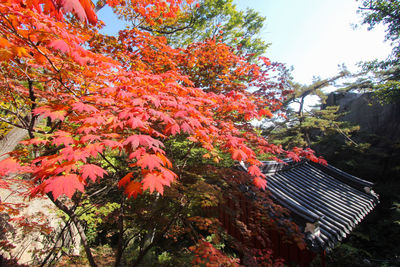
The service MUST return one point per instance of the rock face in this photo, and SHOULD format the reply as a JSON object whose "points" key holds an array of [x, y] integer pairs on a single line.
{"points": [[27, 231], [364, 110], [38, 231], [11, 140], [377, 156]]}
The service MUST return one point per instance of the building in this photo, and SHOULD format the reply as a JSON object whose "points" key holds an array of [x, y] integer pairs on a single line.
{"points": [[325, 203]]}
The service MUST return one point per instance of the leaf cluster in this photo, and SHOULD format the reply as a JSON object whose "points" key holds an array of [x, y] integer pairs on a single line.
{"points": [[385, 12]]}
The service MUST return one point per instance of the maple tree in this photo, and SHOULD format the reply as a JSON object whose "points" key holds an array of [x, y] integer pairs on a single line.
{"points": [[212, 18], [85, 99]]}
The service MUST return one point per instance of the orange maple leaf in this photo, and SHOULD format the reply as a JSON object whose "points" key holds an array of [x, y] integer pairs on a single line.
{"points": [[133, 189]]}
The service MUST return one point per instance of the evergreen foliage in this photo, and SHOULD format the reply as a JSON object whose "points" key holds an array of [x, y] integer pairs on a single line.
{"points": [[308, 128], [382, 77]]}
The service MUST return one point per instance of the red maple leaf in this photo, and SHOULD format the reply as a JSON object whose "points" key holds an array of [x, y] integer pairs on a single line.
{"points": [[186, 128], [138, 153], [164, 159], [168, 175], [255, 171], [61, 137], [82, 107], [8, 165], [88, 7], [96, 119], [154, 181], [173, 129], [74, 6], [46, 111], [239, 155], [135, 123], [112, 144], [149, 161], [126, 179], [60, 45], [134, 140], [260, 182], [94, 149], [265, 112], [80, 58], [90, 138], [86, 129], [92, 171], [143, 140], [67, 185], [322, 161]]}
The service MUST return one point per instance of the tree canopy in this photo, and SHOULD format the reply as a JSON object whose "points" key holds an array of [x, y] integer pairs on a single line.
{"points": [[385, 12], [383, 76]]}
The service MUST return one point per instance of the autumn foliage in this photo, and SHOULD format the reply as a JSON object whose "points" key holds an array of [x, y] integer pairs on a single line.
{"points": [[126, 95], [85, 98]]}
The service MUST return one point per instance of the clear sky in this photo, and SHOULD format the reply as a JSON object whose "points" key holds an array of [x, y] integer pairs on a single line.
{"points": [[314, 36]]}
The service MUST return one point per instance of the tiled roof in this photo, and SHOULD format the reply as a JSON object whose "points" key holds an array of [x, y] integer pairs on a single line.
{"points": [[326, 202]]}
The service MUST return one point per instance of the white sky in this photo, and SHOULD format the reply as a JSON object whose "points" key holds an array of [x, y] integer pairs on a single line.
{"points": [[315, 36]]}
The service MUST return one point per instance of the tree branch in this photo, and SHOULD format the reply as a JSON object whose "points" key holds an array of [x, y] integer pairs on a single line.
{"points": [[173, 30], [371, 8]]}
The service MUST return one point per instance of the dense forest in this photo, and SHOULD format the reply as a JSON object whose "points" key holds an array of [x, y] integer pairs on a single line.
{"points": [[121, 150]]}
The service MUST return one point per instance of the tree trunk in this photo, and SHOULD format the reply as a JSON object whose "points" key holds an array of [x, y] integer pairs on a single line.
{"points": [[79, 227], [142, 254], [82, 234], [156, 238], [120, 245]]}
